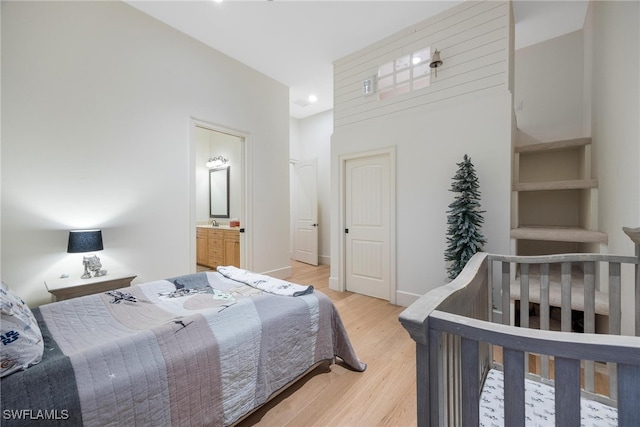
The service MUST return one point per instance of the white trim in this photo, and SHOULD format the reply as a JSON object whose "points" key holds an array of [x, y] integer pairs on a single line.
{"points": [[279, 273], [339, 283], [246, 246], [405, 299]]}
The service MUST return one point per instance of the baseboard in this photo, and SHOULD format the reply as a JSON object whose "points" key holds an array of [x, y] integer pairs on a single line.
{"points": [[405, 299], [334, 284], [324, 259], [279, 273]]}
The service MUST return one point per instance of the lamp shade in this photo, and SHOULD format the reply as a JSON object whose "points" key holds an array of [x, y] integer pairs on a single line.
{"points": [[84, 241]]}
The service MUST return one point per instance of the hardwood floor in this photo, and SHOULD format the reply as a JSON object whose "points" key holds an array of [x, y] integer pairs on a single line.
{"points": [[383, 395]]}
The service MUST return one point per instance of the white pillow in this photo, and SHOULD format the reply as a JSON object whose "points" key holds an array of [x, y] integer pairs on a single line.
{"points": [[21, 340]]}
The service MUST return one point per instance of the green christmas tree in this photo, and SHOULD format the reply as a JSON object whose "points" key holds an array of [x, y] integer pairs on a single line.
{"points": [[464, 219]]}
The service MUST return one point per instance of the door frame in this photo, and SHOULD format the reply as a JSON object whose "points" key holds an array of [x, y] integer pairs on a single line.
{"points": [[342, 252], [246, 245]]}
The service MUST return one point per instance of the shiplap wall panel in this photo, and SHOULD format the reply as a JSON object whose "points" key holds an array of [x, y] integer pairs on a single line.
{"points": [[450, 33], [467, 89], [454, 42], [491, 63], [482, 51], [473, 39]]}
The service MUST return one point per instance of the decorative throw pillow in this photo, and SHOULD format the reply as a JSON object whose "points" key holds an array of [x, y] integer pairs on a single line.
{"points": [[22, 344]]}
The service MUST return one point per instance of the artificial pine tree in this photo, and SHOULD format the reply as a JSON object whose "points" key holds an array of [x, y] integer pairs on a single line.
{"points": [[464, 219]]}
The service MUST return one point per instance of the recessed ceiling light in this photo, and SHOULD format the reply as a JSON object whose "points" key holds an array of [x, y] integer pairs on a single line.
{"points": [[313, 98], [218, 1]]}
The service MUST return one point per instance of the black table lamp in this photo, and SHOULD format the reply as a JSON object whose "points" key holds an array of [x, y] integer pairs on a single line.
{"points": [[82, 241]]}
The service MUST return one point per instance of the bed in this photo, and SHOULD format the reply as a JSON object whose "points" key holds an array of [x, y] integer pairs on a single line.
{"points": [[474, 367], [196, 350]]}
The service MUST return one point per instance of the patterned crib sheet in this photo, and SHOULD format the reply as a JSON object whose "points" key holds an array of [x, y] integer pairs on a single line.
{"points": [[539, 405]]}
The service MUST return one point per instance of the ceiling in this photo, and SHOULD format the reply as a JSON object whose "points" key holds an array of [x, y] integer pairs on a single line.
{"points": [[296, 41]]}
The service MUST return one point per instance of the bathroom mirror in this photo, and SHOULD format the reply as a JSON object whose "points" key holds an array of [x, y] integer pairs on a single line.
{"points": [[219, 193]]}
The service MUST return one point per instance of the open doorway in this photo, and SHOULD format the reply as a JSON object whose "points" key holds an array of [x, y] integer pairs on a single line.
{"points": [[218, 202]]}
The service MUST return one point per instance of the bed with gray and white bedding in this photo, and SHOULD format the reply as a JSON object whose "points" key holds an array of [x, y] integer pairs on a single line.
{"points": [[195, 350]]}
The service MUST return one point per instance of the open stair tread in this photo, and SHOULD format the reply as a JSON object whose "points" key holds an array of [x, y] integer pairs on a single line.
{"points": [[559, 234], [551, 146], [574, 184]]}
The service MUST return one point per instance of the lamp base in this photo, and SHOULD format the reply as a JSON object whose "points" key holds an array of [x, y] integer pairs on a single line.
{"points": [[86, 274]]}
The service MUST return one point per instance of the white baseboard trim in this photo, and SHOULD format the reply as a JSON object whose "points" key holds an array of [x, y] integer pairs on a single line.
{"points": [[279, 273], [405, 299], [324, 259], [334, 283]]}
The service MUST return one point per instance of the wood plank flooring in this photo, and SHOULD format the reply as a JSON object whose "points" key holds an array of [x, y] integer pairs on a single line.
{"points": [[383, 395]]}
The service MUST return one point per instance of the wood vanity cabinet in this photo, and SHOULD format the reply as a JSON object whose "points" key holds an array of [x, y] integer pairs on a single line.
{"points": [[216, 246], [202, 246], [231, 243]]}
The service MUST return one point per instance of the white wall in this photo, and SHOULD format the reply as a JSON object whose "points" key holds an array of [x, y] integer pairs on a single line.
{"points": [[614, 29], [96, 121], [314, 141], [467, 109], [549, 87], [429, 144]]}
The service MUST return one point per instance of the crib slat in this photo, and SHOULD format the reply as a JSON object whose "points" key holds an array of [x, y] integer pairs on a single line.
{"points": [[567, 392], [589, 297], [629, 410], [628, 395], [453, 368], [524, 305], [470, 384], [615, 297], [524, 295], [589, 320], [565, 272], [506, 293], [544, 314], [615, 319], [422, 387], [513, 387], [436, 384], [637, 302]]}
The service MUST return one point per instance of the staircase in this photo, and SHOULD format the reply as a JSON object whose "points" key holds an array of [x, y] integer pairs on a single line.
{"points": [[555, 199]]}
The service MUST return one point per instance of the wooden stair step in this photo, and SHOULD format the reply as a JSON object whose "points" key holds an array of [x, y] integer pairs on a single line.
{"points": [[555, 145], [574, 184], [559, 234]]}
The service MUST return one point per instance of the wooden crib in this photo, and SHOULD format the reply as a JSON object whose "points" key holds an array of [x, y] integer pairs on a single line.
{"points": [[458, 340]]}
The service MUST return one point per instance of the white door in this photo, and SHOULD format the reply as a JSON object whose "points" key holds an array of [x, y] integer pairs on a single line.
{"points": [[305, 235], [367, 226]]}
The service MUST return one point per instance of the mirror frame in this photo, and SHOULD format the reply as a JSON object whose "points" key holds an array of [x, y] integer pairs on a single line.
{"points": [[221, 174]]}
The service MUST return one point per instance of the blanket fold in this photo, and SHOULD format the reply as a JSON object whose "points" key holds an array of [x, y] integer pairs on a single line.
{"points": [[265, 283]]}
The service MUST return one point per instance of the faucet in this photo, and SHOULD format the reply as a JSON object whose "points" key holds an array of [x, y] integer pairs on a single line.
{"points": [[214, 223]]}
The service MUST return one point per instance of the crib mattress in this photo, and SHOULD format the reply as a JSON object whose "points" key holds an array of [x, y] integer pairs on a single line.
{"points": [[539, 405]]}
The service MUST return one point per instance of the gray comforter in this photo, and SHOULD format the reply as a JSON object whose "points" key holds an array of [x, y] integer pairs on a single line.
{"points": [[205, 355]]}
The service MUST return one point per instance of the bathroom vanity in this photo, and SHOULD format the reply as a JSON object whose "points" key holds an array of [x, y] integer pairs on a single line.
{"points": [[217, 245]]}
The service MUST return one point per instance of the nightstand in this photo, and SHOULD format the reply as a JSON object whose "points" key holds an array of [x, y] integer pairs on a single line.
{"points": [[72, 287]]}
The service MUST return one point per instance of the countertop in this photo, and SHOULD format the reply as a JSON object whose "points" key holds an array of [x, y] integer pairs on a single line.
{"points": [[222, 227]]}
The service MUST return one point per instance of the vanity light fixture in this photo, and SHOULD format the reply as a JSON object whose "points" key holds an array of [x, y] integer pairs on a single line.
{"points": [[217, 162], [83, 241]]}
